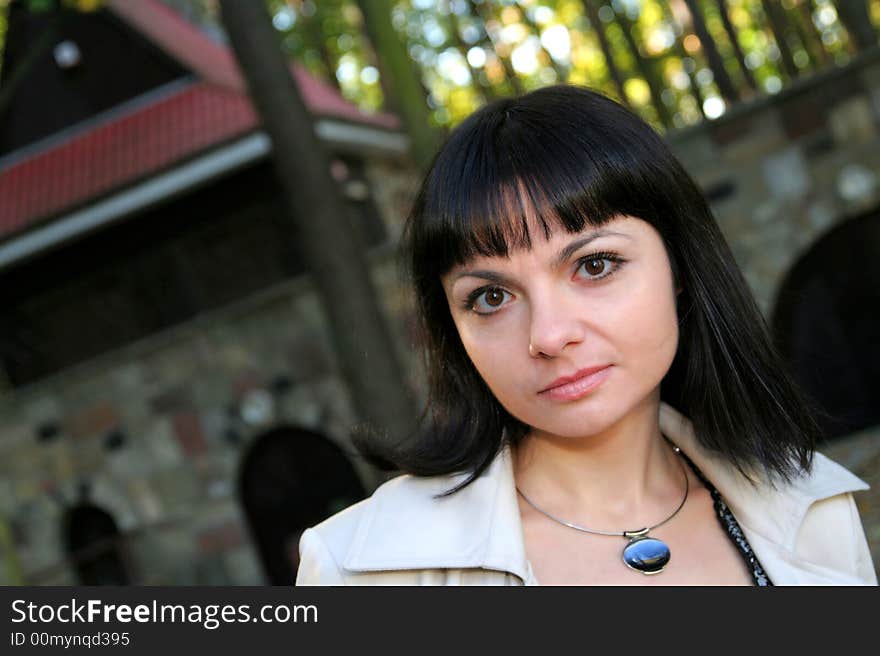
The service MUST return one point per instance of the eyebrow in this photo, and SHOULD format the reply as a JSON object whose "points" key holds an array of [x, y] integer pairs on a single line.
{"points": [[563, 256]]}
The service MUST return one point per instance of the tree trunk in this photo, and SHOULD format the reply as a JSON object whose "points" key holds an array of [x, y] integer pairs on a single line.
{"points": [[804, 36], [688, 63], [485, 91], [561, 73], [716, 62], [316, 34], [734, 41], [328, 244], [613, 71], [402, 77], [516, 84], [645, 68], [854, 16], [371, 58], [777, 20], [805, 10]]}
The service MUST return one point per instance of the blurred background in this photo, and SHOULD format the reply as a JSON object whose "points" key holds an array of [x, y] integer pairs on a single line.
{"points": [[200, 202]]}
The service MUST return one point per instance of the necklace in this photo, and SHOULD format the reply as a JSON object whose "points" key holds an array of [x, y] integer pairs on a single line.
{"points": [[642, 552]]}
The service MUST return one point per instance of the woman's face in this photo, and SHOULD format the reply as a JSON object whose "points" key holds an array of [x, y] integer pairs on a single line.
{"points": [[575, 332]]}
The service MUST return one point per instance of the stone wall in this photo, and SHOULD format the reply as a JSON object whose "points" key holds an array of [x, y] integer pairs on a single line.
{"points": [[796, 164], [186, 403]]}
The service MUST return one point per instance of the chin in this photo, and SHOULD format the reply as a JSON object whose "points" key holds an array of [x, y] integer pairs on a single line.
{"points": [[581, 425], [580, 419], [572, 432]]}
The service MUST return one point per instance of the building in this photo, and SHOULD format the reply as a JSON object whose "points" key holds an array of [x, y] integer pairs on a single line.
{"points": [[160, 339]]}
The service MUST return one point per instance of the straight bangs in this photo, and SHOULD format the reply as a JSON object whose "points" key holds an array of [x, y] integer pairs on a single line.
{"points": [[511, 171]]}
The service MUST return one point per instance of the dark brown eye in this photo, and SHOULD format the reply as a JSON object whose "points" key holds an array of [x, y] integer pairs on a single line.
{"points": [[488, 301], [494, 297], [595, 267]]}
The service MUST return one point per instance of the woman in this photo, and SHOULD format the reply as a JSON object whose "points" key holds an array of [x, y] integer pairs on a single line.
{"points": [[605, 404]]}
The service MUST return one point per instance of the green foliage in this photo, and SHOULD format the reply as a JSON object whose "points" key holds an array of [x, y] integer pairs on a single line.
{"points": [[327, 36], [470, 51], [40, 5], [4, 9], [51, 5]]}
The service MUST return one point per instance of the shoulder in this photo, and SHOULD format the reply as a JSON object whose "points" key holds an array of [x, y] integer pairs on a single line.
{"points": [[396, 506], [831, 532], [322, 548], [403, 501], [411, 532], [805, 531], [822, 539]]}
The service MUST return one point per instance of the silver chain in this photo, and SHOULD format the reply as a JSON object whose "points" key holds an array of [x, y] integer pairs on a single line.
{"points": [[622, 534]]}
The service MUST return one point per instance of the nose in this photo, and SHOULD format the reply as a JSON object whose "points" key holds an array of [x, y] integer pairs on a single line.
{"points": [[555, 325]]}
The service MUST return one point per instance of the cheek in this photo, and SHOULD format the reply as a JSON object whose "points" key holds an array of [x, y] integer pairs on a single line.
{"points": [[493, 354], [647, 325]]}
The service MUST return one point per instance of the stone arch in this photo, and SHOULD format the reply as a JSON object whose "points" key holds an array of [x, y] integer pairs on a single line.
{"points": [[292, 478], [826, 322], [94, 544]]}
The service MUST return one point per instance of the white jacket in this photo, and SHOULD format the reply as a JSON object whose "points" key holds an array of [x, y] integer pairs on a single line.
{"points": [[806, 533]]}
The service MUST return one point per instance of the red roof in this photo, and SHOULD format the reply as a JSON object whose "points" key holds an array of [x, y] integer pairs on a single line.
{"points": [[193, 118]]}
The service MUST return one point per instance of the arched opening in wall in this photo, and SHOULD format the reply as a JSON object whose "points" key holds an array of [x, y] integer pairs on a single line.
{"points": [[827, 323], [94, 544], [291, 479]]}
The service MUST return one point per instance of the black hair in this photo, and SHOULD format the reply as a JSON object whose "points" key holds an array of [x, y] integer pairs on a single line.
{"points": [[581, 159]]}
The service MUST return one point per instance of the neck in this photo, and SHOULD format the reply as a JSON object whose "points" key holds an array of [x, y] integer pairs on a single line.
{"points": [[621, 478]]}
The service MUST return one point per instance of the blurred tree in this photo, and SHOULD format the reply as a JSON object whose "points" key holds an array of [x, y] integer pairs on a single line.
{"points": [[857, 19], [806, 34], [484, 88], [534, 30], [328, 38], [330, 247], [686, 62], [317, 28], [716, 62], [434, 62], [734, 42], [402, 80], [627, 19], [500, 49], [780, 27], [614, 72]]}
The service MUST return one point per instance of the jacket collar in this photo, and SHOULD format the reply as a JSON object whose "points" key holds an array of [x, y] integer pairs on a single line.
{"points": [[405, 527], [774, 512]]}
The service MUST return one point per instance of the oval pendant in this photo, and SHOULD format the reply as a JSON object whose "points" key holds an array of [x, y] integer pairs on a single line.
{"points": [[646, 555]]}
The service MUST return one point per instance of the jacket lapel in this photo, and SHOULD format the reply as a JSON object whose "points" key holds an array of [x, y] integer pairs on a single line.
{"points": [[405, 527], [769, 515]]}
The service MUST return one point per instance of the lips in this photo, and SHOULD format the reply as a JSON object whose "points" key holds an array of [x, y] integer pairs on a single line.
{"points": [[583, 373]]}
